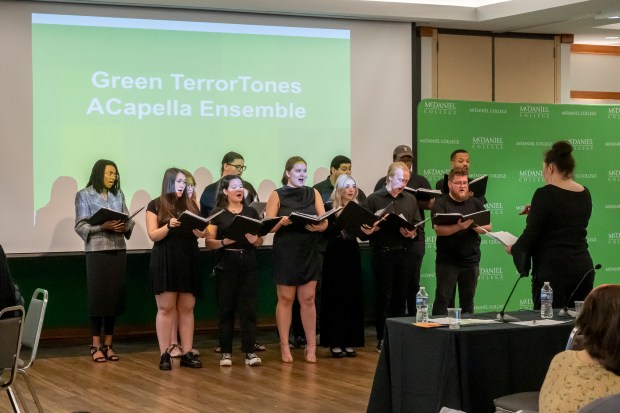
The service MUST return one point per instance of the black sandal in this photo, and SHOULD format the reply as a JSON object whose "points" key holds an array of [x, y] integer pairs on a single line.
{"points": [[93, 351], [105, 350]]}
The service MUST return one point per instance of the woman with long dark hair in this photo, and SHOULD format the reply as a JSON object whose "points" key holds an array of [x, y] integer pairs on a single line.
{"points": [[105, 254], [174, 267], [235, 270]]}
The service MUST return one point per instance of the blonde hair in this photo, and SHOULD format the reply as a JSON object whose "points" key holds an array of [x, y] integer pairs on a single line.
{"points": [[393, 167], [339, 187]]}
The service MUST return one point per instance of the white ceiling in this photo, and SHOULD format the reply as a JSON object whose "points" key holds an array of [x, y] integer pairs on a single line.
{"points": [[583, 18]]}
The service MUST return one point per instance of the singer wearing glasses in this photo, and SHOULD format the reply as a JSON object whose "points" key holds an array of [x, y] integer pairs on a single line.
{"points": [[553, 244], [458, 246], [105, 254], [232, 164]]}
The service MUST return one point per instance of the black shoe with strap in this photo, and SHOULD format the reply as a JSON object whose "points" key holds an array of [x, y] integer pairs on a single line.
{"points": [[190, 360], [165, 361]]}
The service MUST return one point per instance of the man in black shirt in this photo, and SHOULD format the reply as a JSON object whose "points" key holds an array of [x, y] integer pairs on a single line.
{"points": [[458, 246], [394, 264], [232, 164], [404, 154], [340, 165]]}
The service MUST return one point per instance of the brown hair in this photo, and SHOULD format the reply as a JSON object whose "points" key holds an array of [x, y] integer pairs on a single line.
{"points": [[457, 172], [290, 163], [599, 322], [168, 204], [561, 156]]}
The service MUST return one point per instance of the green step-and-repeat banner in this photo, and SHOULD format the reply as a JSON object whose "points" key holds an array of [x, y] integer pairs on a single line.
{"points": [[507, 141]]}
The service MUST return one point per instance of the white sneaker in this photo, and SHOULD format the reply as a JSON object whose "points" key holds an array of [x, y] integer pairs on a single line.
{"points": [[226, 360], [252, 359]]}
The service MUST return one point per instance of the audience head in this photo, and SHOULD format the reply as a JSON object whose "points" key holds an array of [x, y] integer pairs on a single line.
{"points": [[599, 322], [295, 172], [459, 159], [560, 157], [397, 177], [105, 177], [230, 185], [404, 154], [458, 184], [340, 165], [345, 190], [232, 164]]}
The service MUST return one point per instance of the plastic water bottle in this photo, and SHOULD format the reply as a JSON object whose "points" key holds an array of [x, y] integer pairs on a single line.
{"points": [[546, 301], [421, 304]]}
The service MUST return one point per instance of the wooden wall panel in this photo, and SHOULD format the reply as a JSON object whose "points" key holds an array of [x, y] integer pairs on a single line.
{"points": [[525, 70], [464, 67]]}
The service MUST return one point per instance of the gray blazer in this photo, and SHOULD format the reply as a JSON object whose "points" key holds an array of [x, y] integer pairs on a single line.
{"points": [[87, 202]]}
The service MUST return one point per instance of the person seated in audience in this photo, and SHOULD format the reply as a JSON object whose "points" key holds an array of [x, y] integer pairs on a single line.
{"points": [[576, 378], [9, 292]]}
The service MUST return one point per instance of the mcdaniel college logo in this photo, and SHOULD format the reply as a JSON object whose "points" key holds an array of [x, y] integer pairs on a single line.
{"points": [[439, 108]]}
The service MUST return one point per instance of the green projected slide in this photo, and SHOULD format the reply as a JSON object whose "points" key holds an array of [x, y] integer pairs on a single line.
{"points": [[507, 141], [150, 94]]}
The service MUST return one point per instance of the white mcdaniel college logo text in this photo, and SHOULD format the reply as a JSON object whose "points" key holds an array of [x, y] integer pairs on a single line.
{"points": [[534, 111], [439, 108]]}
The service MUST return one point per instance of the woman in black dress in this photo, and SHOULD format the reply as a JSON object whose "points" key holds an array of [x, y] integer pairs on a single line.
{"points": [[342, 297], [553, 244], [235, 270], [105, 254], [174, 267], [296, 254]]}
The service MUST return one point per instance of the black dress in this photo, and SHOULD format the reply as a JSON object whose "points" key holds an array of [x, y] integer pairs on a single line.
{"points": [[342, 295], [175, 261], [295, 249], [554, 245]]}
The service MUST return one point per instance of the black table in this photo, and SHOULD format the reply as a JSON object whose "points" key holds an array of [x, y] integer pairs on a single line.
{"points": [[420, 370]]}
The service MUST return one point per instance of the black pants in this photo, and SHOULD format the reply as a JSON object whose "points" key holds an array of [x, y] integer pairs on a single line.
{"points": [[447, 278], [236, 292], [394, 270], [418, 250]]}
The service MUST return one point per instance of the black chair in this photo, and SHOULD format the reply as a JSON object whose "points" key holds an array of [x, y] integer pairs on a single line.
{"points": [[11, 324], [528, 401]]}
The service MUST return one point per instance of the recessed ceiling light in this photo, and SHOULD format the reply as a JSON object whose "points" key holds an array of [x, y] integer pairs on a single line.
{"points": [[611, 37]]}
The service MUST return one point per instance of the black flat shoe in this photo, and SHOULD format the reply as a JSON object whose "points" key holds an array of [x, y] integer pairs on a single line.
{"points": [[337, 353], [190, 360], [350, 352], [165, 362]]}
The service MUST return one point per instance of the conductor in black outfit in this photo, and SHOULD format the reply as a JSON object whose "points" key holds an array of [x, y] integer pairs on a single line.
{"points": [[554, 243], [393, 262]]}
